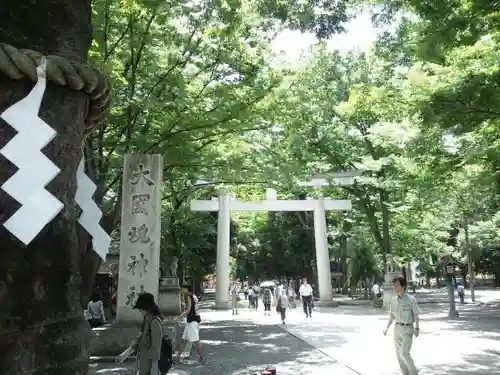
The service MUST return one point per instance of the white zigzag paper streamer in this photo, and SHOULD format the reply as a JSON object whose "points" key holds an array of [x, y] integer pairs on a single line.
{"points": [[27, 185], [91, 214]]}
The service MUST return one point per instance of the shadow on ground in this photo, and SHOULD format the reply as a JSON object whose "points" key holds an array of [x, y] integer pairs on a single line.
{"points": [[486, 363], [480, 321], [239, 348], [326, 335]]}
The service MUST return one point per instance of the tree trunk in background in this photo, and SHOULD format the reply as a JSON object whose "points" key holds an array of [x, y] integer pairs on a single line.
{"points": [[497, 278], [452, 312], [42, 327], [89, 263], [428, 282], [386, 234]]}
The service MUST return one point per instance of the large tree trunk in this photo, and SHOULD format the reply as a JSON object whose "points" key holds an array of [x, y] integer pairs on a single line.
{"points": [[43, 330], [88, 267]]}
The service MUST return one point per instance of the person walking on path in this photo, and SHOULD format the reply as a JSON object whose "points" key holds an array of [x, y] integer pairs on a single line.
{"points": [[148, 344], [404, 310], [282, 304], [306, 294], [277, 292], [267, 299], [377, 294], [461, 293], [191, 333], [291, 298], [235, 299], [256, 290], [95, 311], [251, 295]]}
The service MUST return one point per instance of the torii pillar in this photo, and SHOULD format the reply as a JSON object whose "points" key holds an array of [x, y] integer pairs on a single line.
{"points": [[322, 255], [223, 246]]}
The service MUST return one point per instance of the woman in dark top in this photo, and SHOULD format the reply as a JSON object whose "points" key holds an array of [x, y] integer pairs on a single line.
{"points": [[267, 300], [192, 331]]}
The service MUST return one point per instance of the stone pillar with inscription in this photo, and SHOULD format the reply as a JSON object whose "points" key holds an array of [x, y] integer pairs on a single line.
{"points": [[140, 233]]}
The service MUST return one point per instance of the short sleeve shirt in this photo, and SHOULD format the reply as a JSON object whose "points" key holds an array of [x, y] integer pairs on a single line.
{"points": [[403, 308], [305, 290]]}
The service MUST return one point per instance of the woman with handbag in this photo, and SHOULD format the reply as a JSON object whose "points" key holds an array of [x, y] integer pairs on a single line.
{"points": [[148, 344]]}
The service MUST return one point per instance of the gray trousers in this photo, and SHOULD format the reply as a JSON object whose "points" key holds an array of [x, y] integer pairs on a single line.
{"points": [[403, 339]]}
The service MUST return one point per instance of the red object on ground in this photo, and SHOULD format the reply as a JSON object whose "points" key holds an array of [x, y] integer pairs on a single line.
{"points": [[270, 371], [267, 373]]}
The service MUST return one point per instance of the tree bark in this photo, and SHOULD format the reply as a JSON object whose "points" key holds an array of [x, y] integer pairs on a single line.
{"points": [[89, 263], [42, 327], [386, 235]]}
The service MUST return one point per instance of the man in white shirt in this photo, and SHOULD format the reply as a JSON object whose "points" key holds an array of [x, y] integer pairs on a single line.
{"points": [[306, 294]]}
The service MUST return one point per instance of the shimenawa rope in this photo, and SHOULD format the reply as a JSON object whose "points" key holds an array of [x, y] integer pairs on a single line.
{"points": [[20, 63]]}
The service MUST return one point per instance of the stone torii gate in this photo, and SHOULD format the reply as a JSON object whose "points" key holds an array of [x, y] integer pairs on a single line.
{"points": [[224, 204]]}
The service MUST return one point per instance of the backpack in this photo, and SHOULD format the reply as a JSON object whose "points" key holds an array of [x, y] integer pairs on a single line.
{"points": [[166, 355]]}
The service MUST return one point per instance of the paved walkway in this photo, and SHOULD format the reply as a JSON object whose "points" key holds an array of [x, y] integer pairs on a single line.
{"points": [[352, 335], [425, 296], [240, 347], [347, 340]]}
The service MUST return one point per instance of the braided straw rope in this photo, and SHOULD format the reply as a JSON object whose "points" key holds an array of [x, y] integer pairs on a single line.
{"points": [[20, 63]]}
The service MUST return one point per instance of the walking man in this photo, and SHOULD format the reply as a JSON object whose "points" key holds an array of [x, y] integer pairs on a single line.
{"points": [[306, 294], [251, 295], [461, 293], [235, 297], [403, 310], [283, 304], [376, 295], [256, 290], [291, 297]]}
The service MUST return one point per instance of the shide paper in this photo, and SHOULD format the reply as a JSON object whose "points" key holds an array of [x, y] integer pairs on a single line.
{"points": [[27, 185], [91, 214], [36, 171]]}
